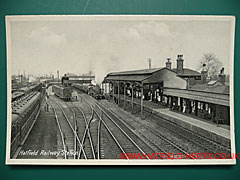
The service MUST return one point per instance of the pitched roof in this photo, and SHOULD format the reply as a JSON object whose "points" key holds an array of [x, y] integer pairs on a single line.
{"points": [[83, 77], [142, 74], [128, 77], [223, 89], [135, 72], [70, 74], [188, 72]]}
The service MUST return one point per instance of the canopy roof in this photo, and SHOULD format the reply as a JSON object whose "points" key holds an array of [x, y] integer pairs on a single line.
{"points": [[135, 75], [142, 74], [135, 72], [138, 78]]}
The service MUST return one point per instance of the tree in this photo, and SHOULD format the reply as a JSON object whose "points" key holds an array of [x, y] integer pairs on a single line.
{"points": [[213, 65]]}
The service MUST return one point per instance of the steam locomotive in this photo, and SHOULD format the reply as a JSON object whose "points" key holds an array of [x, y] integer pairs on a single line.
{"points": [[92, 90]]}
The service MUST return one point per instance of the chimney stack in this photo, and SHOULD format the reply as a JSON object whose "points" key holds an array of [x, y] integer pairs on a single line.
{"points": [[204, 74], [222, 76], [180, 64], [168, 63]]}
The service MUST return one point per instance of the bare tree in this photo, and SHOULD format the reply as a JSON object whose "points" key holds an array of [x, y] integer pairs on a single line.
{"points": [[213, 65]]}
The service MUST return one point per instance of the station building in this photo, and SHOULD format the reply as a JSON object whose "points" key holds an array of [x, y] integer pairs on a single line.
{"points": [[180, 89]]}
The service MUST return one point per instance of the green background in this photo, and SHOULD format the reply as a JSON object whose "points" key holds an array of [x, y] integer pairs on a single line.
{"points": [[178, 7]]}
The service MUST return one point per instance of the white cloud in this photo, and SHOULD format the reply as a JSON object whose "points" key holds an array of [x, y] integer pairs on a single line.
{"points": [[131, 33], [45, 35], [152, 27], [143, 30], [129, 47]]}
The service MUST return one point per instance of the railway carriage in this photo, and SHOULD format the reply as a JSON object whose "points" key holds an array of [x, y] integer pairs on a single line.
{"points": [[83, 88], [24, 112], [19, 93]]}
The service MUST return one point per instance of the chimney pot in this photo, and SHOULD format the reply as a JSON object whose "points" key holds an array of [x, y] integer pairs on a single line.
{"points": [[222, 76], [168, 63], [180, 64], [204, 68], [204, 74], [222, 71]]}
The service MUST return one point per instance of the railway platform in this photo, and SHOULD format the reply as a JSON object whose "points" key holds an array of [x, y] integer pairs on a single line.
{"points": [[217, 133], [42, 141]]}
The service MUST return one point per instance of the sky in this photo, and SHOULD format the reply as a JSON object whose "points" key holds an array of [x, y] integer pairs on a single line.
{"points": [[102, 46]]}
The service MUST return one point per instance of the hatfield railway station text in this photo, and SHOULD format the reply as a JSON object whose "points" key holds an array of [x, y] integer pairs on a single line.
{"points": [[47, 153]]}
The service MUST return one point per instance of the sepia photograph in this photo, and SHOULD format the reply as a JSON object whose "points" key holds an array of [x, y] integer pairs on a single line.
{"points": [[120, 90]]}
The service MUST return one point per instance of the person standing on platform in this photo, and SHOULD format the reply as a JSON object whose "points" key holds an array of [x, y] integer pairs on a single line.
{"points": [[46, 105]]}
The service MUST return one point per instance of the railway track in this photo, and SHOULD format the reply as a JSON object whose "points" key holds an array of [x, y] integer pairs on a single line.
{"points": [[105, 135], [201, 141], [126, 139], [67, 136], [164, 144], [207, 145], [160, 144], [203, 144], [64, 147], [68, 129], [97, 130], [108, 148], [159, 133], [86, 136], [91, 135], [81, 123]]}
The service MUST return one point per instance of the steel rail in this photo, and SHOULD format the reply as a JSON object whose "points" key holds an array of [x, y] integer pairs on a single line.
{"points": [[154, 132], [108, 129], [112, 135], [86, 131], [60, 130], [200, 137], [81, 146], [98, 138], [75, 129], [196, 142], [195, 136], [135, 144]]}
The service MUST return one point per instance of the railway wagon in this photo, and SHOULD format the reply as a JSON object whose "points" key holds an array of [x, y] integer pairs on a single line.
{"points": [[24, 113], [64, 93]]}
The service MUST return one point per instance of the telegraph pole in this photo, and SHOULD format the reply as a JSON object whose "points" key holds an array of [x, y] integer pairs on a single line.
{"points": [[58, 75]]}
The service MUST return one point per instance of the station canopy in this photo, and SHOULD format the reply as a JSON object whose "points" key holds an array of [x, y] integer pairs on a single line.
{"points": [[132, 76]]}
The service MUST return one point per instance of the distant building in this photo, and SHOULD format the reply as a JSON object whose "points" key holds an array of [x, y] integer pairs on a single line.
{"points": [[69, 79], [19, 81]]}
